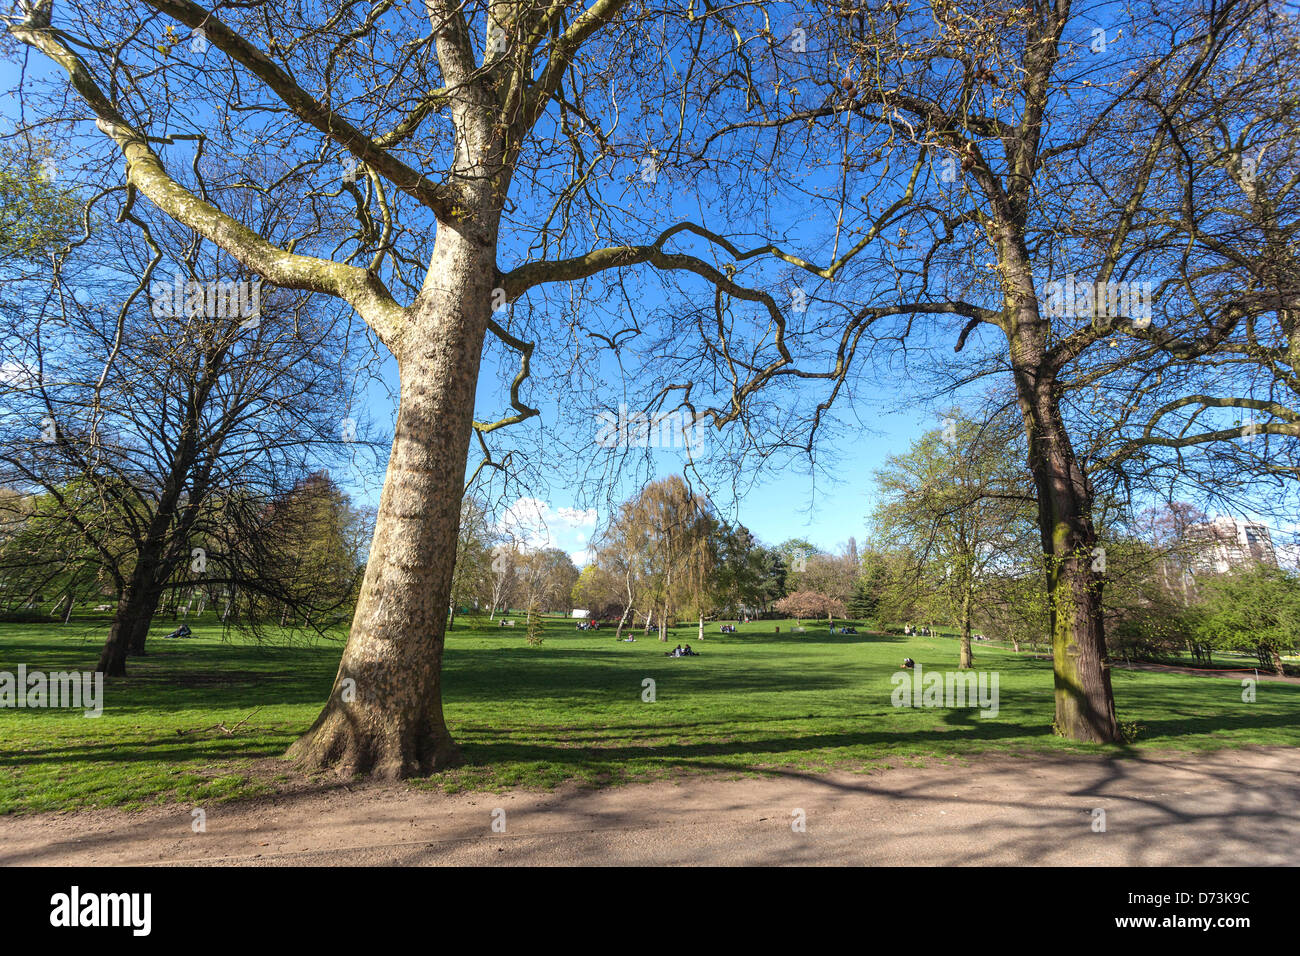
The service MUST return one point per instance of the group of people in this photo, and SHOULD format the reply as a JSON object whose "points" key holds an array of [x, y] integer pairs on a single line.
{"points": [[589, 625], [727, 629], [846, 629], [680, 651], [929, 632]]}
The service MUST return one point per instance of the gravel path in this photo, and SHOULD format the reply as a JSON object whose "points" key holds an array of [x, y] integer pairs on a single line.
{"points": [[1227, 807]]}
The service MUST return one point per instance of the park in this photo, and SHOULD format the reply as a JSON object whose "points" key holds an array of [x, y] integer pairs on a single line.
{"points": [[208, 720], [535, 433]]}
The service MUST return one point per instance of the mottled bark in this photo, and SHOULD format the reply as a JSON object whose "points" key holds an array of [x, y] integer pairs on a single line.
{"points": [[384, 716]]}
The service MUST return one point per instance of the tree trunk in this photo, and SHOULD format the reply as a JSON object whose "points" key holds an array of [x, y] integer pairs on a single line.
{"points": [[701, 631], [967, 659], [384, 716], [1085, 703], [112, 659], [135, 611]]}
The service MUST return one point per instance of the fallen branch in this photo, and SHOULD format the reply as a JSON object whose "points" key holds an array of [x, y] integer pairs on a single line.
{"points": [[228, 731]]}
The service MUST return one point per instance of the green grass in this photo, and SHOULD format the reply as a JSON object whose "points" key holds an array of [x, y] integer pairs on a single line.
{"points": [[568, 710]]}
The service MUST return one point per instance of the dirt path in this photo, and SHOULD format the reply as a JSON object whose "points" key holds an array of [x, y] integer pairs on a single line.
{"points": [[1229, 807]]}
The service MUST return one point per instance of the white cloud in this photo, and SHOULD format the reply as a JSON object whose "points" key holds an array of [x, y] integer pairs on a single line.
{"points": [[578, 517], [535, 524], [525, 521]]}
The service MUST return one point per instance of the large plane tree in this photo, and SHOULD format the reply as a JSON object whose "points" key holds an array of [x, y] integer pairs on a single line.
{"points": [[1040, 137], [456, 136]]}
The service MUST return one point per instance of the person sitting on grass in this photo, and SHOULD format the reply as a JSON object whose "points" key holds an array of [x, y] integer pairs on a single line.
{"points": [[688, 652], [908, 663]]}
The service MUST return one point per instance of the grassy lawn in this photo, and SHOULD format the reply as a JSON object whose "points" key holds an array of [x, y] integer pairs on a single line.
{"points": [[570, 709]]}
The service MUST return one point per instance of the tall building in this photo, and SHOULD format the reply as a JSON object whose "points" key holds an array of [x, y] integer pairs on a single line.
{"points": [[1229, 543]]}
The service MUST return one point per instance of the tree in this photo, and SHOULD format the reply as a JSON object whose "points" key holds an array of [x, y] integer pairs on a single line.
{"points": [[810, 604], [675, 529], [559, 575], [619, 560], [598, 591], [317, 540], [473, 576], [1210, 396], [38, 215], [1256, 609], [504, 578], [164, 414], [741, 570], [42, 553], [795, 553], [545, 580], [870, 589], [451, 120], [832, 575], [960, 508], [998, 154], [1151, 559]]}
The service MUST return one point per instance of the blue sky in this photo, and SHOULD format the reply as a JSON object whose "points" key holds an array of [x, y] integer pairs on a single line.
{"points": [[785, 502], [788, 502]]}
